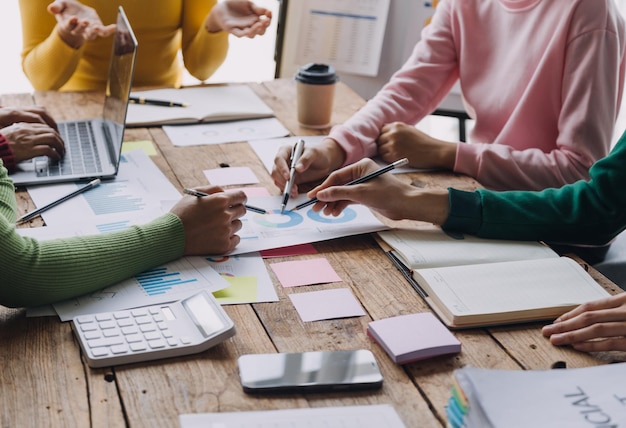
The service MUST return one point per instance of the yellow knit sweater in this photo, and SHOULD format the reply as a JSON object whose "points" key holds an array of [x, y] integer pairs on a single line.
{"points": [[163, 29]]}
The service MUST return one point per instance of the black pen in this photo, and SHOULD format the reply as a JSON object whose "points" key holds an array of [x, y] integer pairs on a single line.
{"points": [[38, 211], [148, 101], [360, 180], [199, 194]]}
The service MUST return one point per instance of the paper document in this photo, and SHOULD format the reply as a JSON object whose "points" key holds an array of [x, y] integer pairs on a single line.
{"points": [[372, 416], [225, 132], [275, 230], [139, 190], [173, 281], [348, 34]]}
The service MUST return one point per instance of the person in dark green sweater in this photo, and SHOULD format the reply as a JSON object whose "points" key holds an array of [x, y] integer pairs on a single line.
{"points": [[589, 212], [40, 272]]}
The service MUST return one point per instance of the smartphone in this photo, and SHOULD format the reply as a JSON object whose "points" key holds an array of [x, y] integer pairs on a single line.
{"points": [[313, 371]]}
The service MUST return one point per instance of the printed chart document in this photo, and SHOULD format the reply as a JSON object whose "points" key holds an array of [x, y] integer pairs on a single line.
{"points": [[203, 104], [275, 230], [345, 33], [247, 277], [173, 281], [372, 416], [573, 398], [140, 190], [472, 282]]}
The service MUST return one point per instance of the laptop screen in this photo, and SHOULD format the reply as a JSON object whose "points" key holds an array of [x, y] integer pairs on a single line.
{"points": [[119, 81]]}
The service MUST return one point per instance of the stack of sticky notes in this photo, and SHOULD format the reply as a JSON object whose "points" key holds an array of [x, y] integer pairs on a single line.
{"points": [[413, 337]]}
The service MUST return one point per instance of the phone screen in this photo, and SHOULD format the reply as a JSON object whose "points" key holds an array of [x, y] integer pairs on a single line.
{"points": [[309, 371]]}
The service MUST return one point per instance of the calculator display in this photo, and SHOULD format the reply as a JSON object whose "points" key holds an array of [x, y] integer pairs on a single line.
{"points": [[203, 314]]}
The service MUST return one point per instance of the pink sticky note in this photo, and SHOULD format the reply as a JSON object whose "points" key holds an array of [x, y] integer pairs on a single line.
{"points": [[305, 272], [292, 250], [326, 304]]}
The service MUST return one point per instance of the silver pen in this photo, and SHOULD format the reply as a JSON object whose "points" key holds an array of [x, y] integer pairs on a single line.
{"points": [[76, 192], [296, 152]]}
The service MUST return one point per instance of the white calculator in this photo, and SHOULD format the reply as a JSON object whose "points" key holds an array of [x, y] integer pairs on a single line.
{"points": [[185, 327]]}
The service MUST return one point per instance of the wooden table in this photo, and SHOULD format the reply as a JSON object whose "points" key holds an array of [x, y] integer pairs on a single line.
{"points": [[46, 383]]}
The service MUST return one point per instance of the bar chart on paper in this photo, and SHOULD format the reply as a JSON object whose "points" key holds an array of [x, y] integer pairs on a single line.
{"points": [[161, 280], [167, 283], [114, 197]]}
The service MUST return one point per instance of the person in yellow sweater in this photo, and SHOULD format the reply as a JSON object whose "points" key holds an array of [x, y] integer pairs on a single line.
{"points": [[68, 48]]}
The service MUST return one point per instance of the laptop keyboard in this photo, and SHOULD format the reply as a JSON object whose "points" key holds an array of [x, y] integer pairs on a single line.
{"points": [[81, 155]]}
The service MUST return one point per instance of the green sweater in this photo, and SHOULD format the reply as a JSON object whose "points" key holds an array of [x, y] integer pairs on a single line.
{"points": [[586, 212], [35, 273]]}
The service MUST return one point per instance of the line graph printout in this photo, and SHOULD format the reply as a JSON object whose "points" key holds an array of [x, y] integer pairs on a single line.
{"points": [[274, 230], [345, 33], [170, 282]]}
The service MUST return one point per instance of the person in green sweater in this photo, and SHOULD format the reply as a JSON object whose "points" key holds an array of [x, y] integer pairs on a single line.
{"points": [[41, 272], [589, 212]]}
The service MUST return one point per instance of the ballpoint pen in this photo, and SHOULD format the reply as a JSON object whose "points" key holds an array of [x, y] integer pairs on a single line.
{"points": [[360, 180], [199, 194], [296, 152], [38, 211], [162, 103]]}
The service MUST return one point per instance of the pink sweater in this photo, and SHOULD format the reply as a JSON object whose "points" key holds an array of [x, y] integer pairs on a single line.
{"points": [[542, 78]]}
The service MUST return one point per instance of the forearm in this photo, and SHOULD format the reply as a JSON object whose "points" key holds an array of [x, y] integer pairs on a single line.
{"points": [[36, 273], [50, 64], [586, 212], [203, 52]]}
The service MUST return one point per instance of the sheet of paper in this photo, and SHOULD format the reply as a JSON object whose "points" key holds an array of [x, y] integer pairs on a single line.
{"points": [[253, 192], [170, 282], [326, 304], [266, 150], [370, 416], [139, 190], [305, 272], [234, 175], [273, 230], [224, 132], [247, 275], [346, 33]]}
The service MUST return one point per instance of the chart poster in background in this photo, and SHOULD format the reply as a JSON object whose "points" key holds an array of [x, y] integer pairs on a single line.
{"points": [[348, 34]]}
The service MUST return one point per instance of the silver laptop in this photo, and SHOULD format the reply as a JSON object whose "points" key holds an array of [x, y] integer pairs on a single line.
{"points": [[93, 147]]}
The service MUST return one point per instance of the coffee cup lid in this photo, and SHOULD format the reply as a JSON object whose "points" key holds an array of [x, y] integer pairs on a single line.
{"points": [[317, 74]]}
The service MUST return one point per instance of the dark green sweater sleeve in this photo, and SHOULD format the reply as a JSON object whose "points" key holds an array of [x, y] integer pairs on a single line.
{"points": [[35, 273], [586, 212]]}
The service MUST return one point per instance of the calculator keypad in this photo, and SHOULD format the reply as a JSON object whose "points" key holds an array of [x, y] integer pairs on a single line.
{"points": [[124, 332]]}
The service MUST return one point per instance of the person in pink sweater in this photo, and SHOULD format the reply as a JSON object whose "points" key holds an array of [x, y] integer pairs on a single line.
{"points": [[543, 80]]}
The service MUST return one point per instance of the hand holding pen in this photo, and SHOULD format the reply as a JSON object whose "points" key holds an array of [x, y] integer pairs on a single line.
{"points": [[296, 153], [347, 170], [199, 194]]}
